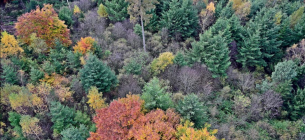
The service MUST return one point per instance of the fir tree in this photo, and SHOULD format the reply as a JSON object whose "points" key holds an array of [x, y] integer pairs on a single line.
{"points": [[269, 36], [250, 52], [213, 51], [75, 133], [62, 116], [192, 109], [9, 74], [96, 73], [36, 75], [180, 59], [181, 18], [297, 105], [117, 10]]}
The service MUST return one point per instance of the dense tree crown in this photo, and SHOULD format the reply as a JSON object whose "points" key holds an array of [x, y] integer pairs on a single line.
{"points": [[45, 23]]}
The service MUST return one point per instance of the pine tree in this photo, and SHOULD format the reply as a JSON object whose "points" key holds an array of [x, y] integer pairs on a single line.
{"points": [[180, 19], [155, 96], [36, 75], [62, 116], [117, 10], [250, 52], [269, 36], [297, 105], [14, 119], [65, 14], [75, 133], [213, 52], [96, 73], [192, 109], [180, 59], [9, 75]]}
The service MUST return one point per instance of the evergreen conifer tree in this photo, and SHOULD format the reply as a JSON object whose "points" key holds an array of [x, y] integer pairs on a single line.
{"points": [[117, 10], [250, 52], [9, 74], [181, 18], [96, 73]]}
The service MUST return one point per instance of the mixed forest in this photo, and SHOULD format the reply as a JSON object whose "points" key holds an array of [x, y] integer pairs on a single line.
{"points": [[152, 69]]}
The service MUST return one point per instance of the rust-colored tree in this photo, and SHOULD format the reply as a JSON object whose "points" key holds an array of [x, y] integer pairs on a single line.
{"points": [[115, 121], [84, 45], [155, 125], [45, 23]]}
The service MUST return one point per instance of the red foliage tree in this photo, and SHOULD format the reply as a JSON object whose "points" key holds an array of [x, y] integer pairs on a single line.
{"points": [[155, 125], [45, 23], [115, 121]]}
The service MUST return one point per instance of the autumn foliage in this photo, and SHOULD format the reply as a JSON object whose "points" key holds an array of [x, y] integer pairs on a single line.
{"points": [[115, 121], [45, 23], [84, 45], [155, 125], [186, 132], [9, 45]]}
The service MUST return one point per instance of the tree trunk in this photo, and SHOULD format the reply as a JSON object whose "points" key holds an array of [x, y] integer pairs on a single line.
{"points": [[143, 35], [69, 5]]}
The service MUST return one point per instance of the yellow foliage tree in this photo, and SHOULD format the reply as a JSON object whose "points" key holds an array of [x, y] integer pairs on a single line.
{"points": [[162, 62], [76, 10], [242, 8], [20, 101], [6, 90], [186, 132], [9, 45], [211, 7], [95, 99], [84, 45], [102, 11], [30, 127]]}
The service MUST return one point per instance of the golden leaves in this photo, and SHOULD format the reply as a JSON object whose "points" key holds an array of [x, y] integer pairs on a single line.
{"points": [[9, 45], [95, 99], [162, 62]]}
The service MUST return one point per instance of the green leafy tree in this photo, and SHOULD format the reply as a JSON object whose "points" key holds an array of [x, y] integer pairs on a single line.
{"points": [[155, 96], [250, 52], [269, 36], [284, 71], [297, 105], [180, 19], [117, 10], [62, 117], [75, 133], [9, 75], [96, 73], [192, 109], [36, 75], [213, 51], [14, 119], [180, 59], [140, 8], [65, 14], [296, 16]]}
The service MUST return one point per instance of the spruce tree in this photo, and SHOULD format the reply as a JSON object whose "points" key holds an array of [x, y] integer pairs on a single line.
{"points": [[9, 74], [181, 18], [250, 52], [214, 54], [269, 36], [180, 59], [117, 10], [96, 73], [297, 105]]}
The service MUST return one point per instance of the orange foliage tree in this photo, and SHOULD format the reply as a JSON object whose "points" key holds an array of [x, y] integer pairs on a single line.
{"points": [[155, 125], [45, 23], [84, 45], [115, 121]]}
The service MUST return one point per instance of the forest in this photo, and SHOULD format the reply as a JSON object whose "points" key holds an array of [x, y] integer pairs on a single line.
{"points": [[152, 70]]}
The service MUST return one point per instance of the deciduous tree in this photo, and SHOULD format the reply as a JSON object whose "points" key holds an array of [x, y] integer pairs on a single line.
{"points": [[9, 45], [45, 23]]}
